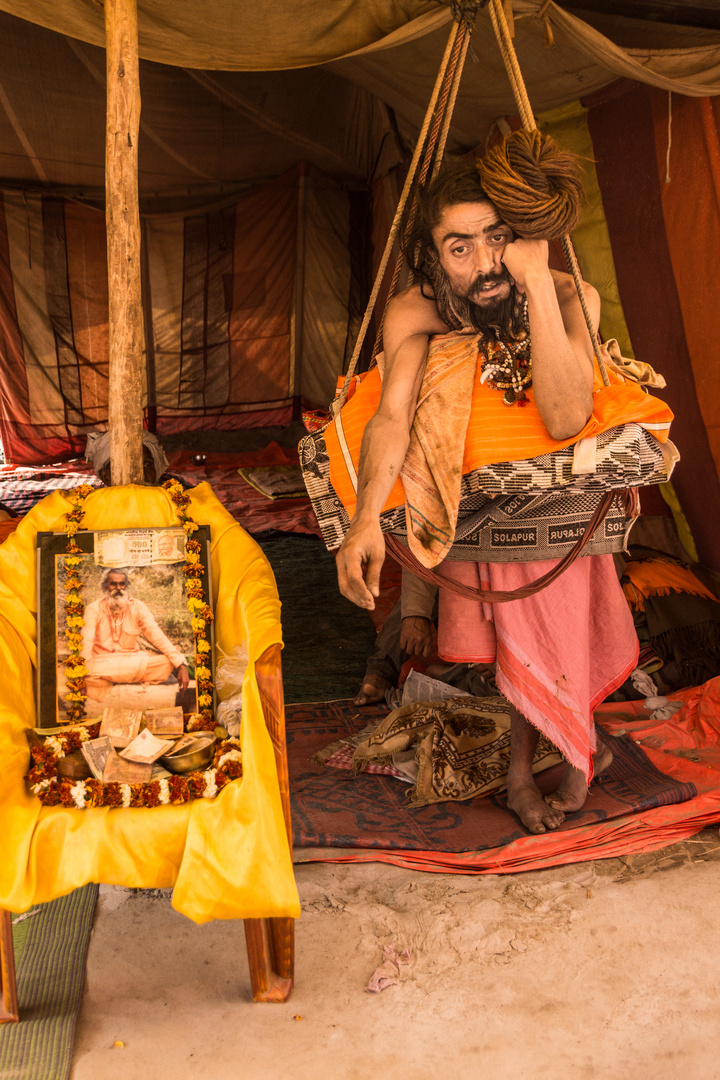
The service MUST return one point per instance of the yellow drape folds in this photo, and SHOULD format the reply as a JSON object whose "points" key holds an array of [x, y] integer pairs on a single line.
{"points": [[227, 858]]}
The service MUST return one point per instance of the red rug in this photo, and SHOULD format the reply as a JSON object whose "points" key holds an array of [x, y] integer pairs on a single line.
{"points": [[650, 797]]}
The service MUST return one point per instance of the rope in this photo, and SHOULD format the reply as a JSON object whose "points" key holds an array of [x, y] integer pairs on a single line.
{"points": [[571, 259], [455, 30], [450, 107], [507, 51], [449, 92]]}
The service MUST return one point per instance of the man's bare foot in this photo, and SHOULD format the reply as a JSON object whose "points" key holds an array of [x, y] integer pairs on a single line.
{"points": [[572, 793], [372, 690], [527, 802]]}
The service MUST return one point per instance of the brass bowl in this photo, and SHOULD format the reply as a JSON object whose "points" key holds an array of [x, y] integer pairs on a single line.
{"points": [[195, 757]]}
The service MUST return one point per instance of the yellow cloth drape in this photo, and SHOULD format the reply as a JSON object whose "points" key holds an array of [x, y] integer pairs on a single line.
{"points": [[227, 857]]}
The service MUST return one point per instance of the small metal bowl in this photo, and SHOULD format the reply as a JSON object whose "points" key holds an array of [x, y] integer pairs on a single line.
{"points": [[195, 757]]}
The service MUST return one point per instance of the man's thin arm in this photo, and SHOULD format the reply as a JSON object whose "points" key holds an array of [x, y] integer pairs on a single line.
{"points": [[409, 321], [148, 624], [562, 357]]}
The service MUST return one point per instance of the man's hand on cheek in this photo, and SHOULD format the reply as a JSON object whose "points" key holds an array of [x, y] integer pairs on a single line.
{"points": [[524, 259]]}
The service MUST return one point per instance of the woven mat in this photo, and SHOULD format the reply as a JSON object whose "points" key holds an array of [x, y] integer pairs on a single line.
{"points": [[50, 951], [332, 808]]}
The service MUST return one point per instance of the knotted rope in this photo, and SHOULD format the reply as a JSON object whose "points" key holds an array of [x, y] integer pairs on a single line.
{"points": [[447, 76], [522, 183]]}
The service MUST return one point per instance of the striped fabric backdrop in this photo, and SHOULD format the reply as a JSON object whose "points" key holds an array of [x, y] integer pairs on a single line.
{"points": [[232, 307]]}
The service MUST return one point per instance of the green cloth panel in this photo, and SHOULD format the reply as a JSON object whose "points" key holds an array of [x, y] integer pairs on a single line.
{"points": [[51, 948], [621, 125], [327, 639], [568, 126]]}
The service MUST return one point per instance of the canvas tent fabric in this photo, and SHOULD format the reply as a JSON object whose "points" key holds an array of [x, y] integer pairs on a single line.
{"points": [[235, 96], [222, 313], [240, 35]]}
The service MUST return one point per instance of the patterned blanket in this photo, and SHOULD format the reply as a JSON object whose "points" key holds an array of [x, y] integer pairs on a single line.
{"points": [[462, 747]]}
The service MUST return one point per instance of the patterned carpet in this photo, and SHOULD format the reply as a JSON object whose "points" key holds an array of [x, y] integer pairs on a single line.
{"points": [[333, 808], [50, 946]]}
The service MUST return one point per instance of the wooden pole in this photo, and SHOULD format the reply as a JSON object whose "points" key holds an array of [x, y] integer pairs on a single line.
{"points": [[122, 217]]}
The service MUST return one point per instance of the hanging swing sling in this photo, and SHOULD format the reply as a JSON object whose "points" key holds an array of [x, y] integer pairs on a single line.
{"points": [[554, 500]]}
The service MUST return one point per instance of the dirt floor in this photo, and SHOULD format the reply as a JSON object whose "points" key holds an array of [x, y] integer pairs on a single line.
{"points": [[596, 970]]}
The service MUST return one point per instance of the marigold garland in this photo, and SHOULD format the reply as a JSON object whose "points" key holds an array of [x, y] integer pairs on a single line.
{"points": [[81, 794], [199, 609], [75, 669]]}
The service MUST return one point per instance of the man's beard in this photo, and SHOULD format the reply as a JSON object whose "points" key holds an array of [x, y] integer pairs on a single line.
{"points": [[495, 314], [117, 603]]}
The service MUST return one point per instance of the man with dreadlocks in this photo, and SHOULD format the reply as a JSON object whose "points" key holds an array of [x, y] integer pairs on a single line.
{"points": [[562, 650]]}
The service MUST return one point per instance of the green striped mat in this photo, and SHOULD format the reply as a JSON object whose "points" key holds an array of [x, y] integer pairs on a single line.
{"points": [[50, 951], [327, 639]]}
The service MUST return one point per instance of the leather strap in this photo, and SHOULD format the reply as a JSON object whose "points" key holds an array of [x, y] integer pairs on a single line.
{"points": [[405, 557]]}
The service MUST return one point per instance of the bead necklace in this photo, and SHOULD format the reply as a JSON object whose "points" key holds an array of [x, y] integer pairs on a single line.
{"points": [[506, 364], [116, 626]]}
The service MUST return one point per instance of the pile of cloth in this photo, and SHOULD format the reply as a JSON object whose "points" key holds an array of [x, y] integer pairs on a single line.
{"points": [[677, 615]]}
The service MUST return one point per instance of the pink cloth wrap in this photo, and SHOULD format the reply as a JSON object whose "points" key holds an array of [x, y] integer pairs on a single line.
{"points": [[559, 653]]}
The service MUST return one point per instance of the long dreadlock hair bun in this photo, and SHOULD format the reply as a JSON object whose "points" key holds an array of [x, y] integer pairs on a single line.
{"points": [[535, 185]]}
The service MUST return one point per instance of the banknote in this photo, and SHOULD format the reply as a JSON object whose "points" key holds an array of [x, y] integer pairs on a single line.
{"points": [[159, 773], [139, 547], [165, 721], [121, 725], [119, 771], [96, 753], [184, 744], [145, 748]]}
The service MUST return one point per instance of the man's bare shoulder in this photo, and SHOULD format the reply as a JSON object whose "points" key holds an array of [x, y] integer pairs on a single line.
{"points": [[566, 290], [414, 312]]}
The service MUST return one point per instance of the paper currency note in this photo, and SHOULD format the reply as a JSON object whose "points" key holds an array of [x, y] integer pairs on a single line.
{"points": [[165, 721], [119, 771], [121, 725], [139, 547], [159, 773], [145, 748], [168, 545], [186, 743], [96, 753]]}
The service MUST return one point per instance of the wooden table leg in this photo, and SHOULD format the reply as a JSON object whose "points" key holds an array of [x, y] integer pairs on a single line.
{"points": [[271, 942], [268, 984], [282, 935], [8, 984]]}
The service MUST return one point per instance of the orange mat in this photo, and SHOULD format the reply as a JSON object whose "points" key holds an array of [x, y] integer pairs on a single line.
{"points": [[687, 747]]}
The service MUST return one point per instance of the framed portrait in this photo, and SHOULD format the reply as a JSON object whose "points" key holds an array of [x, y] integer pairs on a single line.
{"points": [[138, 644]]}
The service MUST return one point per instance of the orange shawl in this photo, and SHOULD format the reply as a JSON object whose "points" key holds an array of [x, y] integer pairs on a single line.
{"points": [[459, 418]]}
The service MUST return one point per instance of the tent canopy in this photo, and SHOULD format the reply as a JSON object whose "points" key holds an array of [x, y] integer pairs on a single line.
{"points": [[271, 141], [233, 91]]}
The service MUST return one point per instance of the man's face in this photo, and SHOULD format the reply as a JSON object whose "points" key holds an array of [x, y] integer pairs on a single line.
{"points": [[470, 240], [116, 585]]}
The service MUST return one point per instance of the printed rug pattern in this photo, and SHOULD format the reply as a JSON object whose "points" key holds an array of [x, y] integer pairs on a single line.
{"points": [[334, 808]]}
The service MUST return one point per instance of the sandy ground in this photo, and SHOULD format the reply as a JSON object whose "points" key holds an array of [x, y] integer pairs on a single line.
{"points": [[600, 970]]}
